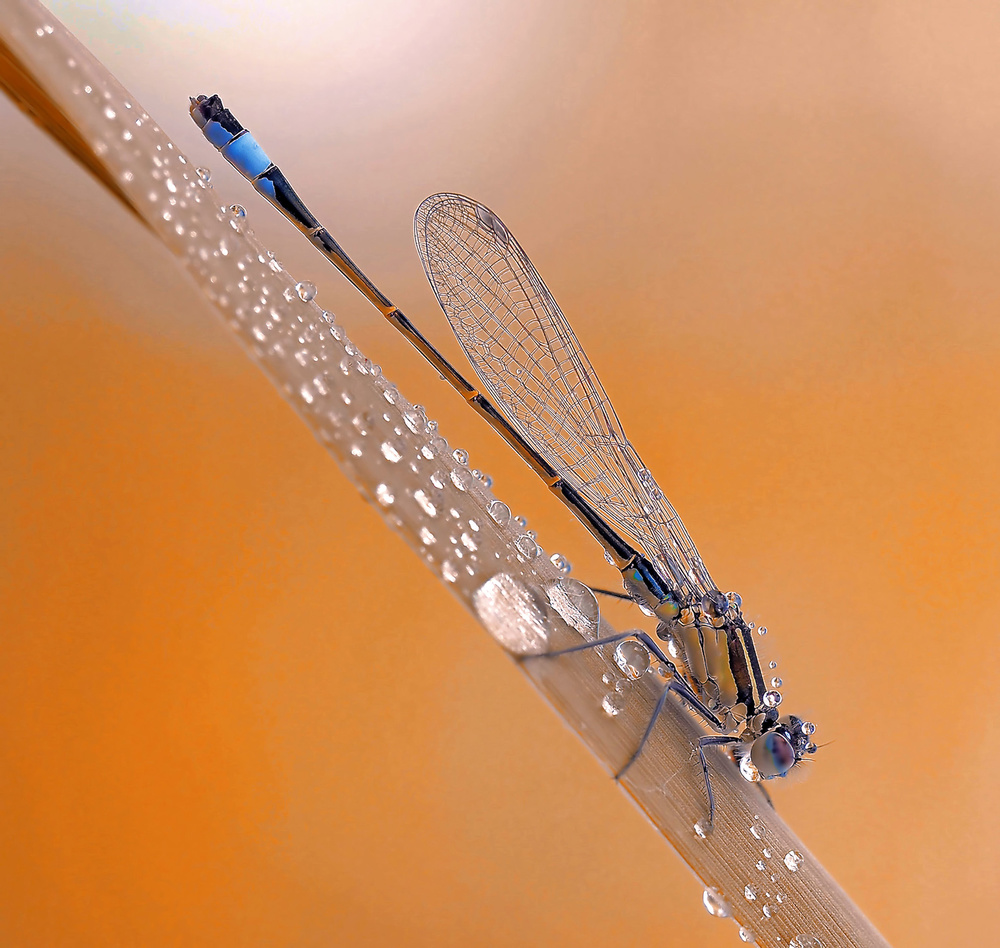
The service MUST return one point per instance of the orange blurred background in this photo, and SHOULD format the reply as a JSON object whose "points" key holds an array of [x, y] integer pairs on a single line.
{"points": [[236, 710]]}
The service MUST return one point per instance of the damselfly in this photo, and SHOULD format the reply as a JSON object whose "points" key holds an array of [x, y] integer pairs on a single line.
{"points": [[549, 406]]}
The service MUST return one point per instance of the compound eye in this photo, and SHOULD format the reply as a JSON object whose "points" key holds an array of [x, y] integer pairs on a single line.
{"points": [[772, 755]]}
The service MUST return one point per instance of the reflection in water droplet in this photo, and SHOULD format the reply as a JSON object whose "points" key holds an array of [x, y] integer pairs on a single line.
{"points": [[776, 682], [757, 831], [238, 211], [766, 853], [750, 893], [391, 452], [204, 175], [522, 522], [747, 936], [613, 703], [805, 941], [767, 910], [500, 512], [632, 658], [426, 537], [306, 291], [448, 572], [460, 455], [461, 477], [512, 614], [526, 547], [560, 562], [749, 769], [425, 503], [576, 603], [701, 829], [437, 479], [384, 495], [772, 699], [714, 903], [794, 861], [762, 630]]}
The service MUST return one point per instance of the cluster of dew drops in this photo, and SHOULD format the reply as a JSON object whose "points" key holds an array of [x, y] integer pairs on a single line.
{"points": [[765, 894], [526, 542]]}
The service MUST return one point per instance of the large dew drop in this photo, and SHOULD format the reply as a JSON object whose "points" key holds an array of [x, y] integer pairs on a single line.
{"points": [[512, 614], [576, 604]]}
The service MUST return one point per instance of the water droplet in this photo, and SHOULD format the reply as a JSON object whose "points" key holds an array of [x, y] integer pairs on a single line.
{"points": [[674, 648], [486, 479], [609, 558], [526, 547], [772, 699], [522, 522], [776, 682], [780, 897], [747, 936], [425, 503], [560, 562], [632, 658], [469, 543], [714, 903], [500, 512], [805, 941], [306, 291], [414, 420], [384, 495], [238, 211], [808, 727], [750, 893], [513, 615], [437, 479], [749, 769], [204, 175], [461, 477], [701, 829], [766, 853], [794, 861], [426, 537], [576, 604], [460, 455], [760, 865], [448, 572], [772, 664], [762, 630], [613, 703], [757, 831], [767, 910], [391, 453]]}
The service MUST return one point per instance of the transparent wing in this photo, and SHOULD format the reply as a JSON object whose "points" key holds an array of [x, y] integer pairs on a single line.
{"points": [[533, 367]]}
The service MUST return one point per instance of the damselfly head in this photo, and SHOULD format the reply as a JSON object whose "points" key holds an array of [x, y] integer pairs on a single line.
{"points": [[779, 748]]}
